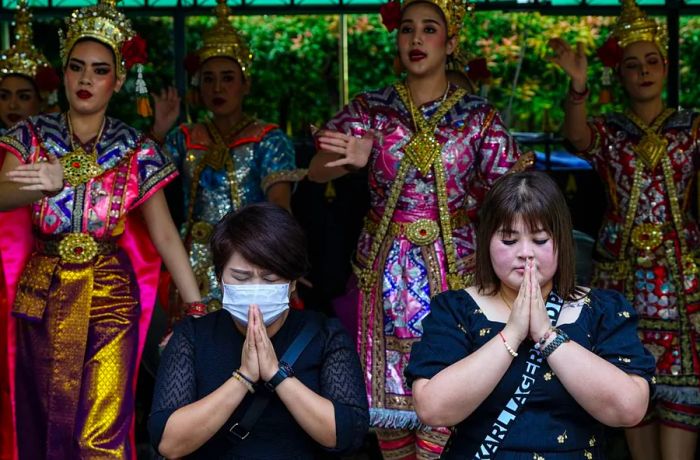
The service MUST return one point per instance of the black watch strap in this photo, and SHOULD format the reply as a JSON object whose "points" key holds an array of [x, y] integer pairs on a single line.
{"points": [[284, 371]]}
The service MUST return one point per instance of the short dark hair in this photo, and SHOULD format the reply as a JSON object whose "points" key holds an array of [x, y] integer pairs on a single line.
{"points": [[537, 199], [265, 235]]}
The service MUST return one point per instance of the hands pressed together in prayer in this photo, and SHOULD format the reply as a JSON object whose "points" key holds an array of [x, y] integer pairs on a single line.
{"points": [[528, 315], [258, 358]]}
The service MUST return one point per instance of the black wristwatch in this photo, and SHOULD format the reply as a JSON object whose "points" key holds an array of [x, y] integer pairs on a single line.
{"points": [[284, 371]]}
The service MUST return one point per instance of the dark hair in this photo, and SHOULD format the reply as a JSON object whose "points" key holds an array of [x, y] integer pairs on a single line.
{"points": [[265, 235], [230, 58], [26, 78], [537, 199], [94, 40], [427, 2]]}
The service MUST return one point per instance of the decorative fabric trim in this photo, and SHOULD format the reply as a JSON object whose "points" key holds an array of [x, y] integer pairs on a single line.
{"points": [[295, 175], [525, 162], [15, 147], [260, 131], [395, 419]]}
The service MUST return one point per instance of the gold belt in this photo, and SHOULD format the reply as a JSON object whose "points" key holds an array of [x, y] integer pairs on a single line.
{"points": [[420, 232], [201, 232], [76, 248], [647, 237]]}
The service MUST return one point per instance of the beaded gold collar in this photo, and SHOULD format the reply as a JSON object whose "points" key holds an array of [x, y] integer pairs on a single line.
{"points": [[80, 166], [652, 146]]}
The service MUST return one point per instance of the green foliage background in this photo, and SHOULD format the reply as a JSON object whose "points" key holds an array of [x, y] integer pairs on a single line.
{"points": [[295, 72]]}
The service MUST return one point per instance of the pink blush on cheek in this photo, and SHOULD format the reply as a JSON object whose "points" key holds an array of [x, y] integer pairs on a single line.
{"points": [[503, 259]]}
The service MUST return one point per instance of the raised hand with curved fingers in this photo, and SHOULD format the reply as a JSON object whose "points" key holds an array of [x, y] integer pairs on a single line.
{"points": [[249, 355], [574, 63], [353, 151], [166, 111], [267, 358], [43, 176]]}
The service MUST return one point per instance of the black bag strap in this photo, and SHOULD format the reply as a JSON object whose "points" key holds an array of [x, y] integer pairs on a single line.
{"points": [[241, 430], [504, 421]]}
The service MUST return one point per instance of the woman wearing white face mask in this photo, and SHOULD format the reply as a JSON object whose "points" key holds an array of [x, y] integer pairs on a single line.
{"points": [[256, 380]]}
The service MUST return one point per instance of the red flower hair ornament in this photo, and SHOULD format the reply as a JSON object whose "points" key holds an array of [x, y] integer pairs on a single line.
{"points": [[191, 63], [134, 51], [477, 70], [610, 54], [47, 80], [391, 15]]}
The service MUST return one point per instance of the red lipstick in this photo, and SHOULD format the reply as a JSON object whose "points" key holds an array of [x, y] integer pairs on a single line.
{"points": [[416, 55], [84, 94]]}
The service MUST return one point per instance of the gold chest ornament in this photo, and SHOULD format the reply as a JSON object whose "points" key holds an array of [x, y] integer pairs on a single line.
{"points": [[78, 165]]}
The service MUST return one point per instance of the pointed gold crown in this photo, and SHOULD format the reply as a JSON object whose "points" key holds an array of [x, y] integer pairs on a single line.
{"points": [[22, 58], [223, 40], [634, 25], [454, 11], [102, 22]]}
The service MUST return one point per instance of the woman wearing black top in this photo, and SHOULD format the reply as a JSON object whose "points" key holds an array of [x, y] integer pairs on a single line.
{"points": [[215, 367]]}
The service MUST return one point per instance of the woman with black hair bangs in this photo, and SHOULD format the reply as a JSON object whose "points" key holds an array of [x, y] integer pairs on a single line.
{"points": [[524, 346]]}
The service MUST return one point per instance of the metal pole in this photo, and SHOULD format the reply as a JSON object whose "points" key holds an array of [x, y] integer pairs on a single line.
{"points": [[179, 49], [5, 32], [343, 60], [674, 58]]}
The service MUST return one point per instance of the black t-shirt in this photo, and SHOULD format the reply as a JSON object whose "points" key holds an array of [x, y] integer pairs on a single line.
{"points": [[202, 354]]}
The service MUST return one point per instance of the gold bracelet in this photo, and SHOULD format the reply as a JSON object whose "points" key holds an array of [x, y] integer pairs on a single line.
{"points": [[512, 352], [237, 375]]}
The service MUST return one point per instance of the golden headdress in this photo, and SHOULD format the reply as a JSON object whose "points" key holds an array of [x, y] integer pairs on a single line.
{"points": [[634, 25], [454, 11], [22, 58], [102, 22], [223, 40]]}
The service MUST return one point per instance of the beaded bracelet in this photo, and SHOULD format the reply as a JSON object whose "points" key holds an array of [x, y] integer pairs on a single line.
{"points": [[512, 352], [196, 309], [247, 379], [576, 97], [244, 380]]}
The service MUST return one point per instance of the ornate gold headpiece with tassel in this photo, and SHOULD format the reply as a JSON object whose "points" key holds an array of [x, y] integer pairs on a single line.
{"points": [[24, 59], [104, 23], [634, 25], [223, 40]]}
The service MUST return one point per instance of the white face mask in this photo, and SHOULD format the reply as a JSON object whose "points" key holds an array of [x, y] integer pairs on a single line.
{"points": [[272, 299]]}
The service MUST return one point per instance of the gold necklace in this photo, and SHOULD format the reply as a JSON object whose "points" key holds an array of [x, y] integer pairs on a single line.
{"points": [[80, 166], [652, 146], [413, 110], [219, 151], [423, 148], [505, 301]]}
